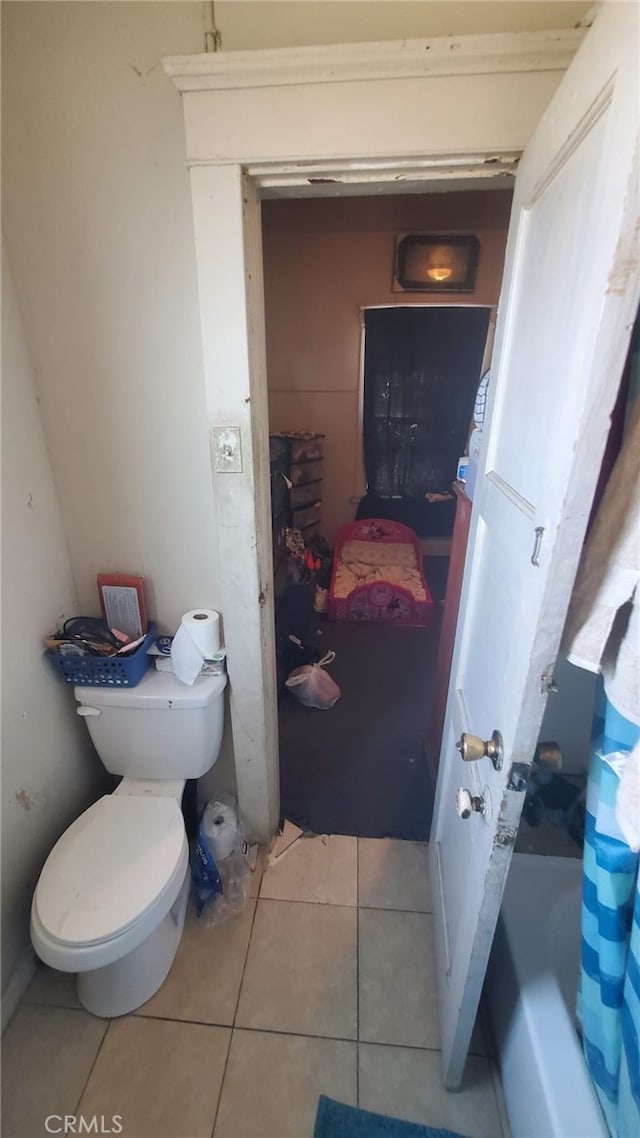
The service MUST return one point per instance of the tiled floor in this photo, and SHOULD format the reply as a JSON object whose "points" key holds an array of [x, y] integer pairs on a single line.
{"points": [[323, 985]]}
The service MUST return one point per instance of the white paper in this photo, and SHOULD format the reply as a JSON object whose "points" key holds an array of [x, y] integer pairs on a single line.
{"points": [[186, 657], [122, 609]]}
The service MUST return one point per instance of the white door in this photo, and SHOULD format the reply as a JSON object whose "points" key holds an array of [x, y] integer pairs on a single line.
{"points": [[568, 301]]}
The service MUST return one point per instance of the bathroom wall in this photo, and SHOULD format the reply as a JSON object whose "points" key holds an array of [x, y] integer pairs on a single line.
{"points": [[50, 771], [97, 205], [97, 212], [279, 23], [325, 260]]}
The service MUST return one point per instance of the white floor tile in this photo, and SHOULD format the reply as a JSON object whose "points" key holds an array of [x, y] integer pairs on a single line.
{"points": [[301, 972], [47, 1054], [407, 1084], [289, 835], [162, 1078], [273, 1082], [398, 1000], [321, 869], [393, 875], [204, 980]]}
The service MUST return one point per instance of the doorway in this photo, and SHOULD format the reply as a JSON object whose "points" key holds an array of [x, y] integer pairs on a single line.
{"points": [[343, 344], [285, 124]]}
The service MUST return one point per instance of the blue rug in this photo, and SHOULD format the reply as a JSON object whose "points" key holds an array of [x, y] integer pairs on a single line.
{"points": [[335, 1120]]}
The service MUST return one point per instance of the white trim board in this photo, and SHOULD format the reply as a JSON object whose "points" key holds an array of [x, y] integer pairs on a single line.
{"points": [[360, 62]]}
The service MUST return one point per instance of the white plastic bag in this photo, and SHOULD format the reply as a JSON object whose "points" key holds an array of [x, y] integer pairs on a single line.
{"points": [[220, 870], [234, 874], [312, 686]]}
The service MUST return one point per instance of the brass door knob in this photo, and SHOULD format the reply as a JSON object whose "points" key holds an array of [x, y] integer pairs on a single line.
{"points": [[472, 748]]}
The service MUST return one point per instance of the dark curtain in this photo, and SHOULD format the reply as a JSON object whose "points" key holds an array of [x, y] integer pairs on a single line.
{"points": [[421, 372]]}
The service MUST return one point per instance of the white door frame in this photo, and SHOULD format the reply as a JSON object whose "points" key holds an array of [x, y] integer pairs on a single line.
{"points": [[413, 114]]}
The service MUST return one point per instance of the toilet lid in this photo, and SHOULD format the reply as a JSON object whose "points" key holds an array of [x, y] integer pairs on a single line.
{"points": [[109, 867]]}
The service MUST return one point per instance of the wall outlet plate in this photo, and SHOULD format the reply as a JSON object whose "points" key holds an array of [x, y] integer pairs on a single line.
{"points": [[226, 450]]}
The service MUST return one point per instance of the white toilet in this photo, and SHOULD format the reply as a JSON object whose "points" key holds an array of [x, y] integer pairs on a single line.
{"points": [[112, 896]]}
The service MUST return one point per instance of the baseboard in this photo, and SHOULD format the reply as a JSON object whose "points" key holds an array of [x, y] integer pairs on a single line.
{"points": [[18, 984]]}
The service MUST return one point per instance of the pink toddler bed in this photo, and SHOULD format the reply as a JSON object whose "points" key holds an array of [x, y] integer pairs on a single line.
{"points": [[377, 575]]}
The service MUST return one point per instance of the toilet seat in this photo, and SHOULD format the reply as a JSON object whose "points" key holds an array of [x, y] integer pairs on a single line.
{"points": [[113, 865]]}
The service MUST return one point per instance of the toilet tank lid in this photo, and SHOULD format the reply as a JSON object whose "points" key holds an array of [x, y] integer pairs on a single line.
{"points": [[156, 691]]}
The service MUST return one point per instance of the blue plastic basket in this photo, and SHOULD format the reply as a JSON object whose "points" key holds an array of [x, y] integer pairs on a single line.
{"points": [[104, 671]]}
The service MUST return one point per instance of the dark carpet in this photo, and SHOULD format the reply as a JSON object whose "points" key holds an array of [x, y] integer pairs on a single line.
{"points": [[335, 1120], [361, 768]]}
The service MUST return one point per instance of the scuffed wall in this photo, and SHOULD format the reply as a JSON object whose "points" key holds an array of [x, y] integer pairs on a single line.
{"points": [[50, 771]]}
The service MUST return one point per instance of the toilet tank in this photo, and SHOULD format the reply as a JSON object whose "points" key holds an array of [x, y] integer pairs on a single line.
{"points": [[161, 728]]}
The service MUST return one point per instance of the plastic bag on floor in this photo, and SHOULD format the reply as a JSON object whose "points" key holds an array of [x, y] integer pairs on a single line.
{"points": [[312, 686], [219, 867], [234, 873]]}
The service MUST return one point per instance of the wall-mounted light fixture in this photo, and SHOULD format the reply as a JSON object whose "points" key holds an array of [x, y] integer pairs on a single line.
{"points": [[437, 263]]}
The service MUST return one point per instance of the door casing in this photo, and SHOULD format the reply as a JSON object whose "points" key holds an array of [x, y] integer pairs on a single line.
{"points": [[320, 120]]}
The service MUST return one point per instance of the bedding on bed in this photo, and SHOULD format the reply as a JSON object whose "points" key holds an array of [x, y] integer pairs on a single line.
{"points": [[377, 575], [366, 562]]}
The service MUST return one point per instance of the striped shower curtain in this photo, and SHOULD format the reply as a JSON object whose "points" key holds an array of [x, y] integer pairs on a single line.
{"points": [[609, 1002]]}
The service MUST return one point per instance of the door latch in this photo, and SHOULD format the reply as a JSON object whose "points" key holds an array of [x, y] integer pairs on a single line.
{"points": [[518, 777]]}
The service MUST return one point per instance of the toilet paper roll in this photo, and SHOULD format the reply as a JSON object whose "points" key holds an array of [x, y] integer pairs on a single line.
{"points": [[204, 626], [220, 824], [197, 639]]}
